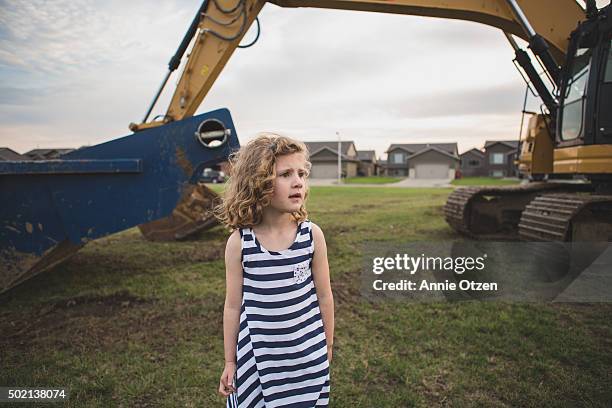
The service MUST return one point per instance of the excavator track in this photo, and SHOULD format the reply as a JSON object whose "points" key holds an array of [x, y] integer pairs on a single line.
{"points": [[567, 217], [495, 212]]}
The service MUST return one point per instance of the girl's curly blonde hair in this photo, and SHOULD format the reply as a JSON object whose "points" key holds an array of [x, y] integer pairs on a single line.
{"points": [[251, 183]]}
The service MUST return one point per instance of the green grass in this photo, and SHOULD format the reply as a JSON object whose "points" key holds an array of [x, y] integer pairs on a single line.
{"points": [[127, 322], [371, 180], [483, 181]]}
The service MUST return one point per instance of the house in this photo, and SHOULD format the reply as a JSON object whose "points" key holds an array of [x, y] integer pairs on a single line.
{"points": [[381, 167], [367, 163], [499, 158], [423, 161], [7, 154], [512, 157], [324, 159], [46, 154], [473, 163]]}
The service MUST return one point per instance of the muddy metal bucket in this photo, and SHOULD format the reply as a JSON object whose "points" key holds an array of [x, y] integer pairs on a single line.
{"points": [[51, 208]]}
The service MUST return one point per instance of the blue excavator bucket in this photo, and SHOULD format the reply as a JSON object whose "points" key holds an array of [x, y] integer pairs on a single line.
{"points": [[51, 208]]}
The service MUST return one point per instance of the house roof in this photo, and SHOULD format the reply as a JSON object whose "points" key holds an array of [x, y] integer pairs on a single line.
{"points": [[366, 154], [47, 153], [7, 154], [332, 146], [415, 147], [475, 151], [509, 143], [433, 149]]}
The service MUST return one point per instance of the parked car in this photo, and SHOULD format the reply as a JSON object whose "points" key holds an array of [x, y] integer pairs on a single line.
{"points": [[212, 176]]}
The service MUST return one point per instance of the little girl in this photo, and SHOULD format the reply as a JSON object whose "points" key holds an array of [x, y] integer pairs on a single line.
{"points": [[278, 320]]}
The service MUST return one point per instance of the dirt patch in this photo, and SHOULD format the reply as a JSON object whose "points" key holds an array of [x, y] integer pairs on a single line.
{"points": [[58, 317], [98, 323], [435, 211], [183, 162], [436, 388], [94, 303], [335, 230], [346, 290], [390, 202], [572, 315], [129, 263], [210, 252], [357, 208]]}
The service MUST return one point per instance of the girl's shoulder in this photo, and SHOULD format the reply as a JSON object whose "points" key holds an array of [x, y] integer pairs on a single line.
{"points": [[233, 248], [311, 224], [234, 239], [239, 232], [315, 231]]}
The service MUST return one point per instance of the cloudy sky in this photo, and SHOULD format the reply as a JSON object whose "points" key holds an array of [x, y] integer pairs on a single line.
{"points": [[77, 72]]}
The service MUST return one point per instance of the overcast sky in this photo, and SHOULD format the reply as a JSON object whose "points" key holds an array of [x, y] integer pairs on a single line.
{"points": [[77, 72]]}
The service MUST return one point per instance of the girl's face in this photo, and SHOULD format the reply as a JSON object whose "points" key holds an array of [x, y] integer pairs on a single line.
{"points": [[290, 182]]}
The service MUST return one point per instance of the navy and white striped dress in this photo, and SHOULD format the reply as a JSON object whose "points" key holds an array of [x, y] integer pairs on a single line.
{"points": [[282, 350]]}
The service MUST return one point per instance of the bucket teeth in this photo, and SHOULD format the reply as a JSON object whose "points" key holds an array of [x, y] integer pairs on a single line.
{"points": [[192, 214]]}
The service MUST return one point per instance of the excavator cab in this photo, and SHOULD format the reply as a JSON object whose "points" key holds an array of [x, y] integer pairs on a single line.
{"points": [[584, 125], [586, 89]]}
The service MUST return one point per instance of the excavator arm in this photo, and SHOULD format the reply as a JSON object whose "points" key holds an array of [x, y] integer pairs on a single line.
{"points": [[221, 24], [553, 19]]}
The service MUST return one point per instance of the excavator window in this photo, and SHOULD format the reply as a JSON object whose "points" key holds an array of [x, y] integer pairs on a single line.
{"points": [[604, 105], [571, 125], [608, 76]]}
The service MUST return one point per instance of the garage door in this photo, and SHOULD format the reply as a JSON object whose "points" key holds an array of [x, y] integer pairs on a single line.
{"points": [[431, 171], [324, 170]]}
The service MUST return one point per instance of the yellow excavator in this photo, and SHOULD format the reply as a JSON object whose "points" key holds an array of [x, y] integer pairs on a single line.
{"points": [[571, 137]]}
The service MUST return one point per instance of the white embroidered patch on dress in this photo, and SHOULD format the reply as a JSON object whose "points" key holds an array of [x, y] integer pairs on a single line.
{"points": [[301, 272]]}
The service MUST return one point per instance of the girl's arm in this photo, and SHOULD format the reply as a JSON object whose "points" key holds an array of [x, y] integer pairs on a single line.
{"points": [[320, 274], [231, 310]]}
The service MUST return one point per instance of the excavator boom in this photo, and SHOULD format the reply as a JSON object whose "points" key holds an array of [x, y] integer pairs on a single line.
{"points": [[224, 22], [554, 27]]}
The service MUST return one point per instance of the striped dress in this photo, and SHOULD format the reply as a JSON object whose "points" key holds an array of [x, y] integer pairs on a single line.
{"points": [[281, 350]]}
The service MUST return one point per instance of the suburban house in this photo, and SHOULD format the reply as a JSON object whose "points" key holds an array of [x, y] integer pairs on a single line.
{"points": [[381, 168], [423, 161], [367, 163], [473, 163], [324, 159], [499, 158], [46, 154], [7, 154]]}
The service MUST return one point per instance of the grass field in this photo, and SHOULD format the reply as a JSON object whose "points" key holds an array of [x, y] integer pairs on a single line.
{"points": [[130, 323], [371, 180], [482, 181]]}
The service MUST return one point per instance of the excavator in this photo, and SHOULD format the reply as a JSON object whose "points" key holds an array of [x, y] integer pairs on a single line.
{"points": [[154, 170], [571, 136], [566, 150], [564, 213]]}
